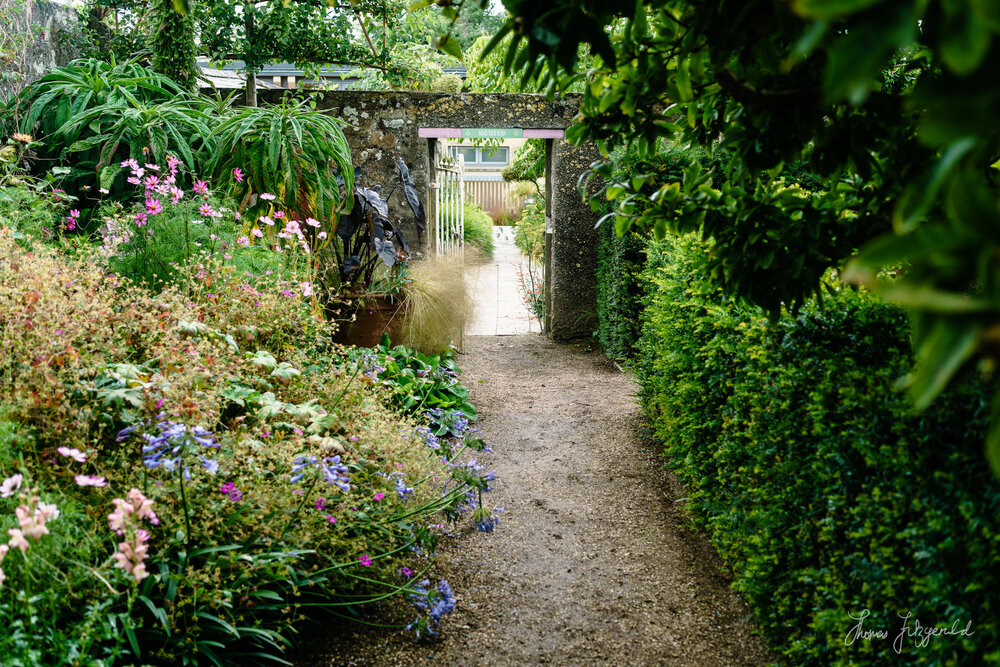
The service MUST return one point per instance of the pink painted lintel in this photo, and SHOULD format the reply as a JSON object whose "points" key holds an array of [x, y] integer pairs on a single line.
{"points": [[456, 133], [544, 134], [440, 132]]}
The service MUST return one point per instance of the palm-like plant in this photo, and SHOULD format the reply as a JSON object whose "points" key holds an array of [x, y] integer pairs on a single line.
{"points": [[297, 154], [93, 114]]}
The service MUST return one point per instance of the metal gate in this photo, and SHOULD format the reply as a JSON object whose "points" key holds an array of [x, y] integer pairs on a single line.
{"points": [[449, 205]]}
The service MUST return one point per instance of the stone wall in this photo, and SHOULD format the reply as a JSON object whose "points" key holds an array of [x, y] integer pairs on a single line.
{"points": [[572, 285], [34, 31], [383, 126]]}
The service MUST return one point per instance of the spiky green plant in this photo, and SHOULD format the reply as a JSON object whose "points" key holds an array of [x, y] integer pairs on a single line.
{"points": [[297, 154]]}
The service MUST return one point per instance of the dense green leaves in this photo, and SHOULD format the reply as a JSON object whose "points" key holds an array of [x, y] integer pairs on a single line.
{"points": [[891, 103], [812, 475]]}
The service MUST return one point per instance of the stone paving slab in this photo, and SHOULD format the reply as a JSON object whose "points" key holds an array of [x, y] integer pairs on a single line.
{"points": [[500, 308]]}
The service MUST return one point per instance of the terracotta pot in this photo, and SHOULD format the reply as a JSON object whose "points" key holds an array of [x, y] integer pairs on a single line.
{"points": [[363, 319]]}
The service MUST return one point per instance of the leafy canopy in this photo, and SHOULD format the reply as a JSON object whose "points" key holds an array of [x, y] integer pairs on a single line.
{"points": [[890, 104]]}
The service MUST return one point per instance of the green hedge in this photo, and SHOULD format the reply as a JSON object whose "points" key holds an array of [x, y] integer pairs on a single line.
{"points": [[814, 479], [620, 260]]}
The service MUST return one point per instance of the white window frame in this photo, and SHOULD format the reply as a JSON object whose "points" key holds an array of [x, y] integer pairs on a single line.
{"points": [[480, 151]]}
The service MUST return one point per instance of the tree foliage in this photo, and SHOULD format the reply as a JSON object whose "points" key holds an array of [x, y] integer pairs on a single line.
{"points": [[889, 102]]}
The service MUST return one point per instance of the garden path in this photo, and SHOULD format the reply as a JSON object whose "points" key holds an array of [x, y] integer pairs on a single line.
{"points": [[594, 562], [500, 309]]}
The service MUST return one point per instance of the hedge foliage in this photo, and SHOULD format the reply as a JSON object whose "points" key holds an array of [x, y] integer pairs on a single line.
{"points": [[813, 477]]}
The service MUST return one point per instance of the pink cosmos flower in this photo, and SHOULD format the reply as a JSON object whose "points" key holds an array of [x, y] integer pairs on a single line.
{"points": [[140, 219], [313, 222], [238, 175], [154, 167], [10, 485], [279, 214], [151, 182], [130, 163], [134, 180], [241, 241], [90, 480], [256, 232], [306, 288], [153, 206], [200, 187], [176, 194], [321, 235], [267, 196], [207, 210], [267, 221], [74, 454], [365, 560]]}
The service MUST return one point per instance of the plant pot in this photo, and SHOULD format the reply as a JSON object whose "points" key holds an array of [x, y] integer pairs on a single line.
{"points": [[363, 319]]}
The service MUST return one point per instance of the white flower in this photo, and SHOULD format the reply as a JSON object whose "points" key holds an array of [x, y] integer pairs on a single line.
{"points": [[87, 480], [10, 485], [74, 454]]}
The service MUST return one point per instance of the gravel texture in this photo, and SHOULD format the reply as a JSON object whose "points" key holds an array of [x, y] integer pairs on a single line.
{"points": [[595, 562]]}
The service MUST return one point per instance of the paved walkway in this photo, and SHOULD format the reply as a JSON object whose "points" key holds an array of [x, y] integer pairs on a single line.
{"points": [[500, 307]]}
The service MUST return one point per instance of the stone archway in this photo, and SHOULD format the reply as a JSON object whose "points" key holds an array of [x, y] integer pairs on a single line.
{"points": [[382, 126]]}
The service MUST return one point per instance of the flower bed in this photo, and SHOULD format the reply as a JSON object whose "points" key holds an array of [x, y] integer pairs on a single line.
{"points": [[190, 475]]}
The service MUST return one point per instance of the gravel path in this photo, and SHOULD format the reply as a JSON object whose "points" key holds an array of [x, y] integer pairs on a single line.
{"points": [[594, 563]]}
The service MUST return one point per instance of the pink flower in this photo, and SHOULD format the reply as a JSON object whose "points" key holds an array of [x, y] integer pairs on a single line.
{"points": [[154, 167], [267, 221], [332, 518], [267, 196], [130, 163], [74, 454], [313, 222], [207, 210], [10, 485], [365, 560], [321, 235], [74, 213], [238, 175], [306, 288], [176, 194], [151, 181], [256, 232], [88, 480], [153, 206], [321, 503], [140, 219], [200, 187], [379, 496], [134, 180], [279, 214], [17, 539], [70, 224], [241, 241], [406, 572]]}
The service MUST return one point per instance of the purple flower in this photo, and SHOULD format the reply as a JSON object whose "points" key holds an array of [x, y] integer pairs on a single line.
{"points": [[365, 560], [406, 572]]}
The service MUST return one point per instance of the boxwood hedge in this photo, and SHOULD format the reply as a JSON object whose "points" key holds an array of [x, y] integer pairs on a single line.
{"points": [[819, 486]]}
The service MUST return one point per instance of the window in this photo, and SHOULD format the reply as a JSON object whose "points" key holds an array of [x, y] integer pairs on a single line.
{"points": [[498, 156]]}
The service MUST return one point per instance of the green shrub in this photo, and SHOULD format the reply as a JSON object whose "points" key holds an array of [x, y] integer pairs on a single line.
{"points": [[529, 232], [620, 261], [813, 477], [479, 229]]}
